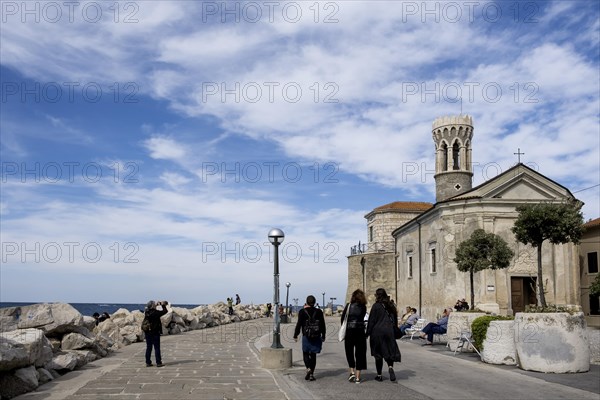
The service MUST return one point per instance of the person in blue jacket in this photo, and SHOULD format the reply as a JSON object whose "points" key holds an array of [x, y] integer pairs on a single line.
{"points": [[432, 328]]}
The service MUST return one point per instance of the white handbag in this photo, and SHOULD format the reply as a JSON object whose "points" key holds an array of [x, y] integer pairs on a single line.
{"points": [[342, 332]]}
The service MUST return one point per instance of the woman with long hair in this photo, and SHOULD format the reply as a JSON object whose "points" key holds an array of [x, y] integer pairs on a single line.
{"points": [[380, 330], [355, 342]]}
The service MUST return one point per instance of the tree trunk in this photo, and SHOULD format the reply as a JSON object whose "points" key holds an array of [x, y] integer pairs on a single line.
{"points": [[472, 290], [540, 282]]}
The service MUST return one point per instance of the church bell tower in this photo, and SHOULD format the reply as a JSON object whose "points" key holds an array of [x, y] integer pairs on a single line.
{"points": [[452, 136]]}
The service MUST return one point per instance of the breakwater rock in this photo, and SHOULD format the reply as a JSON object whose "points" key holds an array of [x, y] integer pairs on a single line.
{"points": [[40, 342]]}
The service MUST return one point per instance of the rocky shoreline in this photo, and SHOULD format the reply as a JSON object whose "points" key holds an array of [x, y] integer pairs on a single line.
{"points": [[41, 342]]}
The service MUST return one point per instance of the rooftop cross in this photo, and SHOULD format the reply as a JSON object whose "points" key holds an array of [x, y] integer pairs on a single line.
{"points": [[519, 154]]}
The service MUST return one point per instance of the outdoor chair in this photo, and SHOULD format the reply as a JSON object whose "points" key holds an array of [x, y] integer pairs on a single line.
{"points": [[465, 337], [416, 328]]}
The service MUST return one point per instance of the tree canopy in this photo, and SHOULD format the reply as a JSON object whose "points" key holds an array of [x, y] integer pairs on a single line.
{"points": [[556, 222], [481, 251]]}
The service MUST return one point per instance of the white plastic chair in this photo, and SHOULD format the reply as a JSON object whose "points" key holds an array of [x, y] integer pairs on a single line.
{"points": [[465, 337], [416, 328]]}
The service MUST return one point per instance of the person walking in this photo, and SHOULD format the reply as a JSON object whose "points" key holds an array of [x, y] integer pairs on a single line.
{"points": [[380, 330], [153, 330], [312, 323], [355, 342]]}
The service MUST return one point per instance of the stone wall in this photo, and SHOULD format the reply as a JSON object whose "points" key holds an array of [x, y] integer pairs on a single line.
{"points": [[379, 272]]}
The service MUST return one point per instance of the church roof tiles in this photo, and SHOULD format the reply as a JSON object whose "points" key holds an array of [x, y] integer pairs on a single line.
{"points": [[404, 206], [592, 224]]}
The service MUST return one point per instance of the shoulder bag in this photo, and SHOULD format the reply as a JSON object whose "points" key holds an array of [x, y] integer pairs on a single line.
{"points": [[396, 330], [342, 332]]}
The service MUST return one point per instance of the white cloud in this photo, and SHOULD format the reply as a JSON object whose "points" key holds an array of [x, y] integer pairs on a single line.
{"points": [[378, 130], [164, 148]]}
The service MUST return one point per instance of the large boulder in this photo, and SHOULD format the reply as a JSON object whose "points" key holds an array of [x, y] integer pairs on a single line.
{"points": [[186, 315], [63, 362], [33, 341], [89, 322], [9, 318], [54, 318], [76, 341], [110, 330], [44, 376], [12, 355], [21, 381], [83, 357]]}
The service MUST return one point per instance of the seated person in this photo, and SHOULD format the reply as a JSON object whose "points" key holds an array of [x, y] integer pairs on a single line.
{"points": [[412, 319], [406, 315], [96, 316], [461, 305], [440, 327]]}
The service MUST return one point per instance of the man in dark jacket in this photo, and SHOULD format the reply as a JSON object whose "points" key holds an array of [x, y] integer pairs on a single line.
{"points": [[152, 315]]}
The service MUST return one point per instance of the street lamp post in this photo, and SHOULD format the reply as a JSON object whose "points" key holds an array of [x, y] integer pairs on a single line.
{"points": [[287, 295], [276, 237], [323, 304]]}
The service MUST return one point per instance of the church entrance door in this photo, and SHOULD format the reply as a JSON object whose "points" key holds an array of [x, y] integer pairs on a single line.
{"points": [[522, 292]]}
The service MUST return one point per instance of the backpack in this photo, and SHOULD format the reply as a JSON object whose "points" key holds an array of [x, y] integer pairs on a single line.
{"points": [[146, 325], [312, 328]]}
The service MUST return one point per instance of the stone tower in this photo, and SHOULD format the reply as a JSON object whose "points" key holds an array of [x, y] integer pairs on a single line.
{"points": [[453, 164]]}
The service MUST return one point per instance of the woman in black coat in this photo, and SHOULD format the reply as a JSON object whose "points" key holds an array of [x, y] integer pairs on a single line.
{"points": [[380, 330], [312, 323], [355, 341]]}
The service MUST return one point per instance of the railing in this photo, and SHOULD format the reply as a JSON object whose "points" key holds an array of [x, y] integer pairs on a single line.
{"points": [[371, 247]]}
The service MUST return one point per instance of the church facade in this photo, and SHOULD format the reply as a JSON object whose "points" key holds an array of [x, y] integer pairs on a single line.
{"points": [[417, 267]]}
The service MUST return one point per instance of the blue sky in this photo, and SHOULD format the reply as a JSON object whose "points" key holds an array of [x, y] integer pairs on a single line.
{"points": [[149, 146]]}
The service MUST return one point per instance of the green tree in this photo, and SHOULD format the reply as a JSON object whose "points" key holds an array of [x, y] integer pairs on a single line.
{"points": [[482, 251], [557, 222], [595, 287]]}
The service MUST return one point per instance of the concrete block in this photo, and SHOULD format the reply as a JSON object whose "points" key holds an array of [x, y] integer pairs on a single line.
{"points": [[276, 358]]}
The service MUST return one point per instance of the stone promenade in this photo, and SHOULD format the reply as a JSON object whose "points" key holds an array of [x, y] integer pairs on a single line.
{"points": [[224, 363]]}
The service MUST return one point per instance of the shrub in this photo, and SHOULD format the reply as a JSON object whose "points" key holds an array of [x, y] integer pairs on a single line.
{"points": [[550, 308], [480, 325]]}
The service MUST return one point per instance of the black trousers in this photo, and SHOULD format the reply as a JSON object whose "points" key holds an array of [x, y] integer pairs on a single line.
{"points": [[310, 360], [355, 345], [379, 364], [153, 340]]}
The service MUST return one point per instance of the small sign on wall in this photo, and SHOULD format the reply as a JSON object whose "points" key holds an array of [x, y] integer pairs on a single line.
{"points": [[490, 288]]}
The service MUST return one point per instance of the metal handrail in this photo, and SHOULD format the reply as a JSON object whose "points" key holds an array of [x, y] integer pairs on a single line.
{"points": [[371, 247]]}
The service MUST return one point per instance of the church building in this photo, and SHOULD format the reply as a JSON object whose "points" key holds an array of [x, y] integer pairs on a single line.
{"points": [[411, 246]]}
